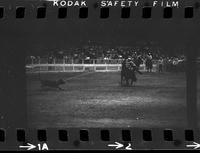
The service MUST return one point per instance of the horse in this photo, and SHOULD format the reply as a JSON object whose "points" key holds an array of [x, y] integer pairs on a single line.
{"points": [[128, 72], [125, 74]]}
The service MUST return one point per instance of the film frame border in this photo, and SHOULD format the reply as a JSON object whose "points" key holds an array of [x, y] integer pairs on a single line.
{"points": [[179, 140], [99, 139]]}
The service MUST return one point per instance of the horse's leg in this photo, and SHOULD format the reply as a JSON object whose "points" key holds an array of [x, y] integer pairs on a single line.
{"points": [[127, 83], [131, 82], [133, 79]]}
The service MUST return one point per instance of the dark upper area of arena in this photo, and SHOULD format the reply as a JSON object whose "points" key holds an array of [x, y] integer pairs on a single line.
{"points": [[39, 36]]}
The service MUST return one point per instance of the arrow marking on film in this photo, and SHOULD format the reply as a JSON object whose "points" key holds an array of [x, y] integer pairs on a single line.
{"points": [[194, 145], [117, 145], [28, 147]]}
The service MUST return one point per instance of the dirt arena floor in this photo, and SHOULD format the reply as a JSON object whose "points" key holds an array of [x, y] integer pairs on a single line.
{"points": [[96, 99]]}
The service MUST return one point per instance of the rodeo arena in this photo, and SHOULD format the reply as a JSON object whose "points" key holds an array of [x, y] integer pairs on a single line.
{"points": [[112, 87]]}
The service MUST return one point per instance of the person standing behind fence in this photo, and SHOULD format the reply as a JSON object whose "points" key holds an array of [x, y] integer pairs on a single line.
{"points": [[123, 68], [160, 65], [165, 62], [149, 64], [50, 61]]}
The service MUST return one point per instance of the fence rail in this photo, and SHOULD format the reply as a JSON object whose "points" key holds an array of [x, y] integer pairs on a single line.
{"points": [[74, 61], [35, 65], [35, 68]]}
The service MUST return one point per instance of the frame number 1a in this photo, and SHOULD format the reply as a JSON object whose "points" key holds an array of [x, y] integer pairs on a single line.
{"points": [[42, 146]]}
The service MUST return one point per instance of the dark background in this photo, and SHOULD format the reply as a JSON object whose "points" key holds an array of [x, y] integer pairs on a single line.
{"points": [[21, 36]]}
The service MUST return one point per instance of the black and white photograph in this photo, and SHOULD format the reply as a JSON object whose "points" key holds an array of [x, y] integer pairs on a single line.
{"points": [[107, 76], [116, 74]]}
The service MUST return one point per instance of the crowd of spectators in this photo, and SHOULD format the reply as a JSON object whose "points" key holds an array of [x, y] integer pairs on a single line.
{"points": [[102, 55]]}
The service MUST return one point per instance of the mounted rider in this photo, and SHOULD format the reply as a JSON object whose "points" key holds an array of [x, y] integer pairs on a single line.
{"points": [[128, 70]]}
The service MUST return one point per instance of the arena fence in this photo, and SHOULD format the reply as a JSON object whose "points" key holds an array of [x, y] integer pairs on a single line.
{"points": [[35, 65], [35, 68]]}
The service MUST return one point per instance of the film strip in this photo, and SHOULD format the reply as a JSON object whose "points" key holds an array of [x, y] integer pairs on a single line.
{"points": [[99, 75], [104, 12], [124, 139]]}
